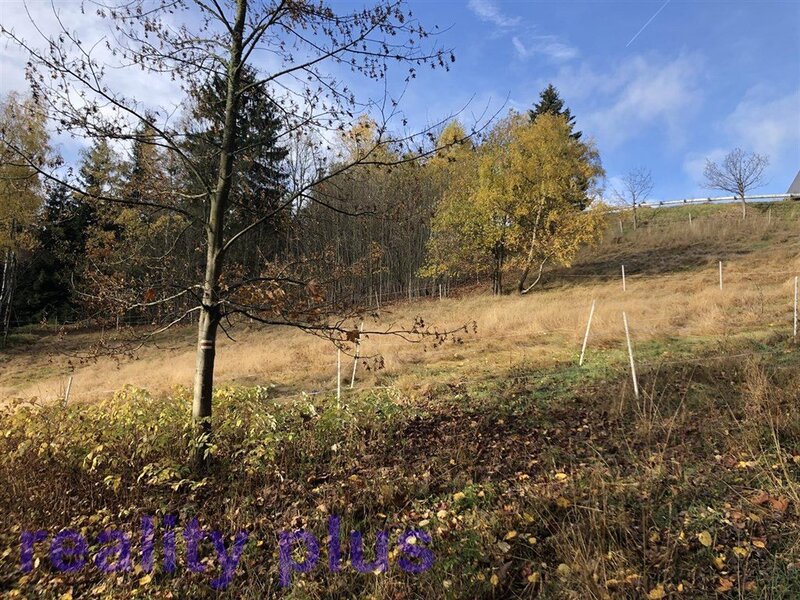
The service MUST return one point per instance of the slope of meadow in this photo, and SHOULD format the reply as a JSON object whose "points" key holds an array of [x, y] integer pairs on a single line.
{"points": [[533, 477], [672, 292]]}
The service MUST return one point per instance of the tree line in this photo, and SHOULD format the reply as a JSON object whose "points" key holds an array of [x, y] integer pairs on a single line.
{"points": [[98, 247]]}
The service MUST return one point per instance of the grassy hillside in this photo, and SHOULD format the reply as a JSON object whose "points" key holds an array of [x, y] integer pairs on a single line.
{"points": [[534, 477]]}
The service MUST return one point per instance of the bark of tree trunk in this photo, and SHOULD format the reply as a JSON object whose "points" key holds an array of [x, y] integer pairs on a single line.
{"points": [[8, 295], [210, 313], [523, 278], [7, 284], [744, 208], [204, 384], [524, 290], [531, 250], [635, 223], [497, 275]]}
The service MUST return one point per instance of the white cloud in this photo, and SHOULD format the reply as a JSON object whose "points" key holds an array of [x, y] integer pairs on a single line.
{"points": [[33, 22], [641, 93], [762, 122], [92, 31], [544, 45], [695, 163], [488, 11], [765, 123], [527, 42]]}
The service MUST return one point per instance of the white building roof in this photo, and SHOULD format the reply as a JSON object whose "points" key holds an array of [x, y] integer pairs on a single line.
{"points": [[795, 187]]}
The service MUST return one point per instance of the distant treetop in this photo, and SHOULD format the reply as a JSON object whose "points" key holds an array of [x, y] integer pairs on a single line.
{"points": [[551, 103]]}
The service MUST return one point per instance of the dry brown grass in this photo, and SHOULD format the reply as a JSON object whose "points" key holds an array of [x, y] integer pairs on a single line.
{"points": [[672, 291], [546, 483]]}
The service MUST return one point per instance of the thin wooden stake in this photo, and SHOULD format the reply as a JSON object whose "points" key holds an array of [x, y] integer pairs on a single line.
{"points": [[621, 230], [630, 355], [720, 274], [69, 389], [358, 353], [586, 335], [440, 291], [795, 307], [338, 378], [624, 287], [690, 219]]}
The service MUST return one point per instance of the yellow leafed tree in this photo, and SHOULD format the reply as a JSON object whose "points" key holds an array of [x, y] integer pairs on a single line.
{"points": [[519, 204], [22, 131], [21, 194]]}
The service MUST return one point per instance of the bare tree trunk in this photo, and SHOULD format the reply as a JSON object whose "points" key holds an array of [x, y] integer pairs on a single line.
{"points": [[497, 275], [204, 383], [7, 284], [523, 278], [4, 290], [8, 295], [635, 223], [210, 313], [531, 250], [525, 290], [744, 207]]}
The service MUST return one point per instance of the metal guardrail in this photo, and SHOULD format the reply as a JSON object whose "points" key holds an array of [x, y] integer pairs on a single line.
{"points": [[715, 200]]}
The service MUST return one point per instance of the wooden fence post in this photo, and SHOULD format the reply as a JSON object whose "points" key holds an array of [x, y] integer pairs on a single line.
{"points": [[624, 287], [358, 353], [795, 308], [630, 355], [338, 378], [586, 335], [720, 274], [69, 389]]}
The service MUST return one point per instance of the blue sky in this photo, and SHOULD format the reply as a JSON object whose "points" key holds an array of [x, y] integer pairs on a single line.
{"points": [[700, 78]]}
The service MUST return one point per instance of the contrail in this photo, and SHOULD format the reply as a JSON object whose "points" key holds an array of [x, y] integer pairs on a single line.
{"points": [[648, 23]]}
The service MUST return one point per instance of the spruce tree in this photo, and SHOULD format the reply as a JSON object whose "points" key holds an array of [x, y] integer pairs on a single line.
{"points": [[50, 276], [259, 175], [551, 103]]}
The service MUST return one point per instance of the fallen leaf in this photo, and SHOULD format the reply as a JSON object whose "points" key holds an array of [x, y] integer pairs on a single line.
{"points": [[740, 552], [725, 585], [705, 538], [657, 593], [779, 504]]}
